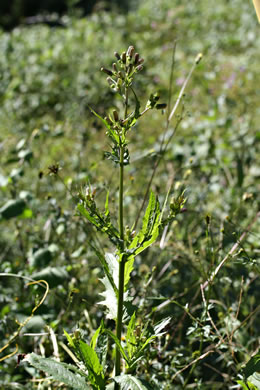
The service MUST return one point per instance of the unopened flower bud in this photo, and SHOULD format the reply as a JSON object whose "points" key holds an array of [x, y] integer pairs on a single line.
{"points": [[123, 57], [161, 106], [136, 58], [130, 51], [117, 55], [140, 61], [108, 120], [130, 69], [115, 114], [139, 68], [198, 58], [114, 67], [107, 71]]}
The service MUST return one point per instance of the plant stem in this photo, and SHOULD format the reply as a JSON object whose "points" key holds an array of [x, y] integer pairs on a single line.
{"points": [[121, 280]]}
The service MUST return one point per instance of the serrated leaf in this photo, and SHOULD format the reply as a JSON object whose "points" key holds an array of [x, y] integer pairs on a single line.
{"points": [[101, 222], [111, 133], [102, 348], [110, 267], [61, 372], [110, 299], [90, 358], [128, 382], [129, 266], [150, 228], [252, 366], [130, 336], [159, 328]]}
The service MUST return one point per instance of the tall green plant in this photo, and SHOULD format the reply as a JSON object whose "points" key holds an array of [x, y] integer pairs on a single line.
{"points": [[117, 266]]}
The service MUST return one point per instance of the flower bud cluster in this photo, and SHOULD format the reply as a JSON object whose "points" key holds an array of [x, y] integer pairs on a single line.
{"points": [[177, 203], [128, 63]]}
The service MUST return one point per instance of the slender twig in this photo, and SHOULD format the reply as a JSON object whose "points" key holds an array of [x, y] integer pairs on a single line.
{"points": [[232, 250], [163, 147]]}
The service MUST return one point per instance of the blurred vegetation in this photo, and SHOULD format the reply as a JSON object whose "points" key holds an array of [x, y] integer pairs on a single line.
{"points": [[48, 77], [15, 12]]}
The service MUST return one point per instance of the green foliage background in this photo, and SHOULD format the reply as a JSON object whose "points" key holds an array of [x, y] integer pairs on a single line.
{"points": [[48, 77]]}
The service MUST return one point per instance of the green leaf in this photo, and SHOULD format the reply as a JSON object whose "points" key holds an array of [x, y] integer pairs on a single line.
{"points": [[96, 335], [130, 336], [252, 366], [111, 133], [13, 208], [54, 276], [61, 372], [244, 386], [118, 344], [69, 339], [101, 222], [106, 205], [90, 358], [130, 382], [129, 266], [102, 348], [83, 211], [41, 258], [254, 381], [150, 228]]}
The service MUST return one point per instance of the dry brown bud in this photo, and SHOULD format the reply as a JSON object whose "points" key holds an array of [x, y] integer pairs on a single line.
{"points": [[115, 114], [130, 51], [136, 58], [107, 71], [139, 68], [123, 57]]}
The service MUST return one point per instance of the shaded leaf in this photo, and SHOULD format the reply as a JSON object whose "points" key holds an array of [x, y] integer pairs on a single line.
{"points": [[128, 382], [118, 344], [252, 366], [59, 371]]}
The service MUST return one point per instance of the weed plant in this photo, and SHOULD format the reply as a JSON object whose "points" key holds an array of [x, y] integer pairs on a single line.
{"points": [[202, 273]]}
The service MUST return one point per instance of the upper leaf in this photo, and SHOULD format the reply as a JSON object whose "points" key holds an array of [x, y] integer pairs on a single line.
{"points": [[150, 229]]}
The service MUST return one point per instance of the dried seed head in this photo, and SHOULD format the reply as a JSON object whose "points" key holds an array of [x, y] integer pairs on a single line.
{"points": [[107, 71], [130, 51], [117, 55]]}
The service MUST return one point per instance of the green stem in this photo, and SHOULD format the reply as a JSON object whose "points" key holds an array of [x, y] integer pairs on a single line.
{"points": [[121, 280]]}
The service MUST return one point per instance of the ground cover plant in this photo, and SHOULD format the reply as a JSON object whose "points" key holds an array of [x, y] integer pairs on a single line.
{"points": [[45, 120]]}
